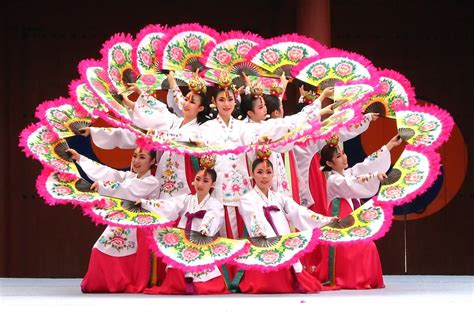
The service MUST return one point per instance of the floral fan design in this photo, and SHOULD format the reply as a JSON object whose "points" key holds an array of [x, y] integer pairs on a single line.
{"points": [[63, 118], [280, 54], [191, 251], [45, 146], [424, 126], [395, 92], [268, 254], [334, 66], [365, 223], [359, 88]]}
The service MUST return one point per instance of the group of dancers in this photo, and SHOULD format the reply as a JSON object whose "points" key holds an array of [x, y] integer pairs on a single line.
{"points": [[262, 194]]}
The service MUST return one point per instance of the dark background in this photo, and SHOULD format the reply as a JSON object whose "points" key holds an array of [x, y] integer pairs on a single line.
{"points": [[430, 42]]}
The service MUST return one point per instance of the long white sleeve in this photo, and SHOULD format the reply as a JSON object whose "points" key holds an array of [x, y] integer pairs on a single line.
{"points": [[379, 161], [97, 171], [301, 217], [110, 138], [171, 208], [152, 113]]}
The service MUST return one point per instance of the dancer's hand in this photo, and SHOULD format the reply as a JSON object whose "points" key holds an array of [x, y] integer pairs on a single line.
{"points": [[328, 92], [74, 154], [172, 80], [374, 116], [326, 111], [381, 176], [395, 141], [128, 103], [85, 131], [95, 186], [134, 88], [264, 139], [246, 78]]}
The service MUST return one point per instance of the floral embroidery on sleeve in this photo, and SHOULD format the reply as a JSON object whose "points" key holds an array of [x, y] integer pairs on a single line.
{"points": [[206, 224], [256, 226], [112, 185]]}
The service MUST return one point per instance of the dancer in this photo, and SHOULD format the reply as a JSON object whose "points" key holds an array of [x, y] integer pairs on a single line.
{"points": [[120, 267], [199, 212], [352, 266]]}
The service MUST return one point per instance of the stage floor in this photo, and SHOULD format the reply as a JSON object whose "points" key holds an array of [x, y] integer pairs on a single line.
{"points": [[403, 295]]}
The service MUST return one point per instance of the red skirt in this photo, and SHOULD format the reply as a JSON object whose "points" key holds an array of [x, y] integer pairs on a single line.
{"points": [[129, 274], [281, 281], [175, 283], [355, 266]]}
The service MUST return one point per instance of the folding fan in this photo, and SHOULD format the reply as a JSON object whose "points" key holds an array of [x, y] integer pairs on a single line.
{"points": [[192, 251]]}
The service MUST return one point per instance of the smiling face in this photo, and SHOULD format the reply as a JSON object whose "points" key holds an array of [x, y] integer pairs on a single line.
{"points": [[203, 182], [142, 161], [192, 106], [263, 175], [338, 161], [225, 102], [259, 111]]}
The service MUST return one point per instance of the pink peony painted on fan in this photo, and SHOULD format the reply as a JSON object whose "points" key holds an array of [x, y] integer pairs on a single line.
{"points": [[60, 115], [146, 58], [59, 165], [114, 74], [344, 69], [63, 190], [397, 103], [271, 57], [359, 231], [414, 119], [393, 192], [235, 188], [116, 216], [428, 126], [269, 257], [319, 71], [223, 57], [170, 239], [384, 87], [118, 56], [190, 254], [65, 177], [332, 234], [149, 80], [49, 137], [144, 219], [295, 54], [193, 43], [176, 53], [293, 243], [219, 249], [243, 49], [155, 44], [413, 177], [369, 215], [424, 140], [98, 85], [40, 149], [409, 162], [92, 102]]}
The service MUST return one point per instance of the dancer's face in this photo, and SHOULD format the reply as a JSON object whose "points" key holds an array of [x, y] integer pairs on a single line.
{"points": [[225, 102], [141, 161], [338, 161], [263, 176], [193, 106], [203, 182], [259, 111]]}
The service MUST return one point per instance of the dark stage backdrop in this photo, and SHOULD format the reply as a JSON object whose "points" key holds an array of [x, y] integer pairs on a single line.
{"points": [[42, 43]]}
